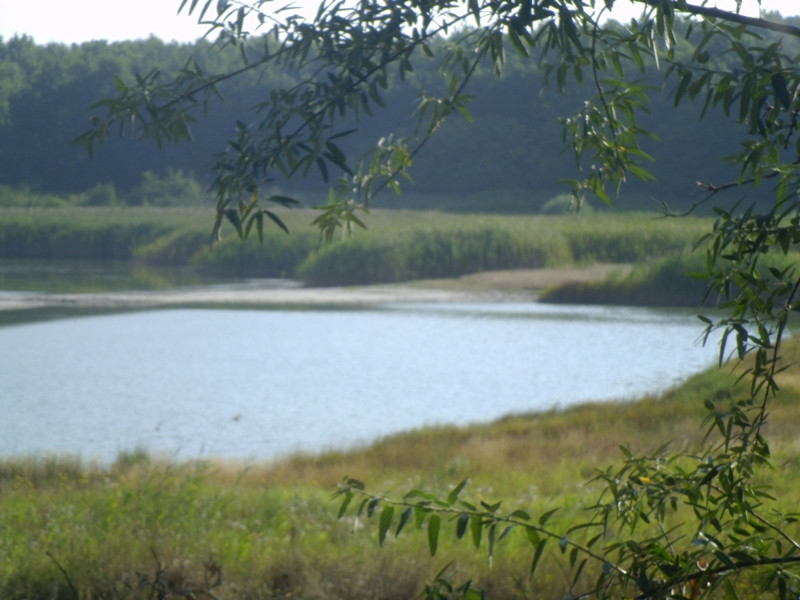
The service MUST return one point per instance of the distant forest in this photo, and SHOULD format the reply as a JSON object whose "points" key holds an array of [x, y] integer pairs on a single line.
{"points": [[510, 158]]}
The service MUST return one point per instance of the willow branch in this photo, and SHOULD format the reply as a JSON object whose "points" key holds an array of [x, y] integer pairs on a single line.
{"points": [[714, 189], [710, 574], [726, 15]]}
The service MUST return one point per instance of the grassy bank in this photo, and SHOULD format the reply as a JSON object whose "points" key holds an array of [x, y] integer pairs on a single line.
{"points": [[398, 246], [673, 280], [70, 529]]}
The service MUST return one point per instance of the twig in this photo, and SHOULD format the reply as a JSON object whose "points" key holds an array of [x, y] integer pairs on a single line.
{"points": [[158, 580], [65, 574]]}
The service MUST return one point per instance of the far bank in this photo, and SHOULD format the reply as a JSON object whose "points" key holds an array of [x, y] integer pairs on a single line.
{"points": [[476, 253]]}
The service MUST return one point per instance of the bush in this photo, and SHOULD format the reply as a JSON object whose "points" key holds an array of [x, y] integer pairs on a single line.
{"points": [[102, 194], [173, 188]]}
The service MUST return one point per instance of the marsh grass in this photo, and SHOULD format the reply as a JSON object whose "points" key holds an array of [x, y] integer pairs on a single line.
{"points": [[665, 281], [397, 246], [271, 530], [674, 280]]}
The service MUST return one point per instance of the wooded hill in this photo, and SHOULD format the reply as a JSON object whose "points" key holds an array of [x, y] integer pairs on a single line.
{"points": [[510, 158]]}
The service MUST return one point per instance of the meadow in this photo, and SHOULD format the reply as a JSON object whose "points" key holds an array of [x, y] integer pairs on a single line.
{"points": [[145, 528]]}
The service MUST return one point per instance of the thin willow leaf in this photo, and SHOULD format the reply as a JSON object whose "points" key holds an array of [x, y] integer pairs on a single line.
{"points": [[476, 529], [434, 523], [387, 514]]}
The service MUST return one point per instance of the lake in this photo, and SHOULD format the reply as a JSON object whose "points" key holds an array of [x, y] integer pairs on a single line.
{"points": [[259, 384]]}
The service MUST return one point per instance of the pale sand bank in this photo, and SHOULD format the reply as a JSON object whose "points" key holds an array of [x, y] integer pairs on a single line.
{"points": [[522, 285]]}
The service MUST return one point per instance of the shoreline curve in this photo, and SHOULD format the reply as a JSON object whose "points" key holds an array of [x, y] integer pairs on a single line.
{"points": [[522, 285]]}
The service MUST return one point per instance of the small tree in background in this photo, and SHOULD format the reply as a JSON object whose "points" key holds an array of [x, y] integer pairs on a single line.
{"points": [[346, 57], [102, 194], [173, 188]]}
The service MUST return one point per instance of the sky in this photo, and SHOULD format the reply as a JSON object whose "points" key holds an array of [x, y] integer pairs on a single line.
{"points": [[74, 21]]}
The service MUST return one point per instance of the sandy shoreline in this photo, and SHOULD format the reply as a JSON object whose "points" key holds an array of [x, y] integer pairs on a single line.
{"points": [[519, 285]]}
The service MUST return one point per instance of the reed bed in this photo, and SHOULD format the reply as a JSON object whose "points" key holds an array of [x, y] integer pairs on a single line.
{"points": [[397, 246]]}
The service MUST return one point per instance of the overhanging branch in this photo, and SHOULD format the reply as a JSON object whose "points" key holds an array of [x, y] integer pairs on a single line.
{"points": [[725, 15]]}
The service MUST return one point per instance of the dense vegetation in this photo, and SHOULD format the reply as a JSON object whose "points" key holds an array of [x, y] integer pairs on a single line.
{"points": [[142, 527], [397, 246], [508, 158]]}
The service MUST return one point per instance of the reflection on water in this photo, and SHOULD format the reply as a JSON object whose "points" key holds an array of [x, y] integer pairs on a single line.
{"points": [[94, 276], [263, 383]]}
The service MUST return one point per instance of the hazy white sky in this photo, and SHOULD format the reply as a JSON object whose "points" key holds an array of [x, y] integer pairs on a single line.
{"points": [[80, 20]]}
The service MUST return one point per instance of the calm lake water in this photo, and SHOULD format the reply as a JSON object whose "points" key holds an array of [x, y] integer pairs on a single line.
{"points": [[256, 384]]}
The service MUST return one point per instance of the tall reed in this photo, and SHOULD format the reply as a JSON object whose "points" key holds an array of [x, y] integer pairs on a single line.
{"points": [[398, 246]]}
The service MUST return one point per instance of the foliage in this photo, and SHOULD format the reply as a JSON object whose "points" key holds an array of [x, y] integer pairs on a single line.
{"points": [[668, 523], [102, 194], [174, 188], [506, 160], [10, 196]]}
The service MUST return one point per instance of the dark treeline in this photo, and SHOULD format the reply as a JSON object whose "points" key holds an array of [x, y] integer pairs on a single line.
{"points": [[511, 156]]}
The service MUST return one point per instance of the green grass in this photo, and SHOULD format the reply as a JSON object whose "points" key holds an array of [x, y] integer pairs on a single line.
{"points": [[673, 280], [398, 246], [666, 281], [272, 528]]}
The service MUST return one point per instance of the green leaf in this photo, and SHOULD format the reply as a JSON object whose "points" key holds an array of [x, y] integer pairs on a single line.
{"points": [[286, 201], [434, 523], [120, 85], [461, 525], [385, 523], [323, 168], [413, 494], [476, 529], [233, 216], [573, 556], [419, 515], [362, 505], [373, 504], [348, 496], [275, 219], [215, 231], [513, 37], [464, 112], [404, 517], [533, 536], [506, 531], [456, 491], [355, 483], [537, 556], [240, 20], [546, 516], [685, 81], [780, 90], [258, 220]]}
